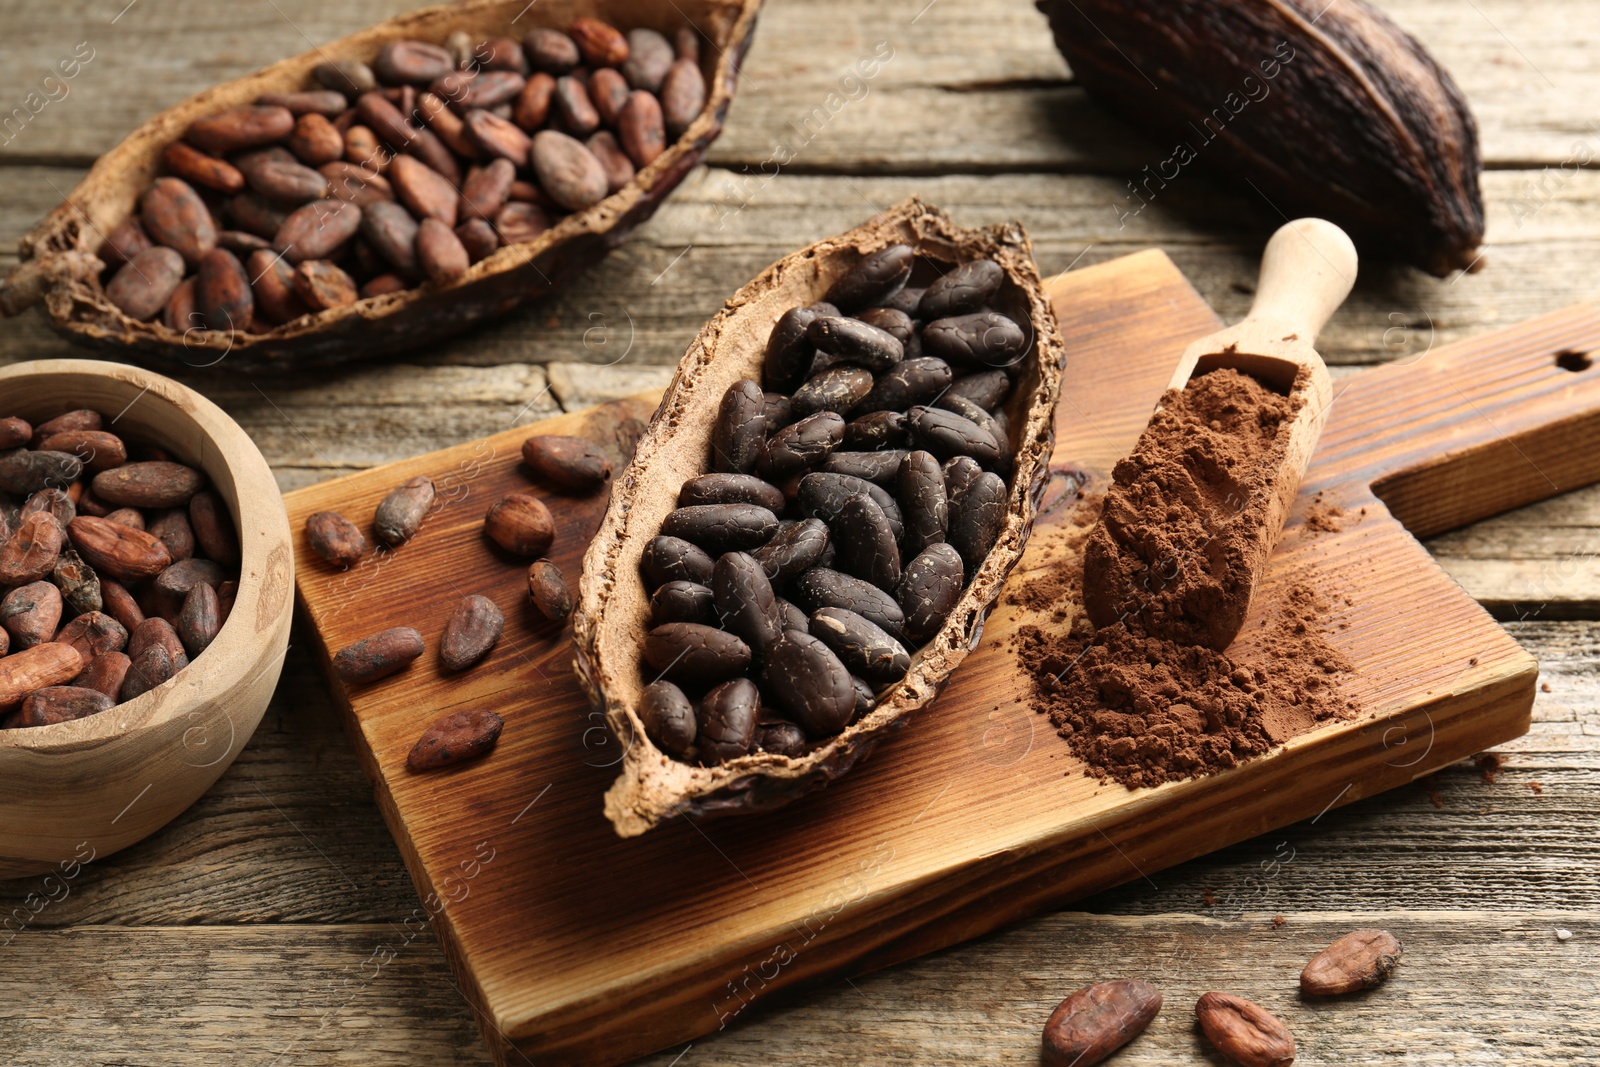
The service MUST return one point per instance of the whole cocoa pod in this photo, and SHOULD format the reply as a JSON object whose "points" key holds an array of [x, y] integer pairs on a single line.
{"points": [[1331, 111]]}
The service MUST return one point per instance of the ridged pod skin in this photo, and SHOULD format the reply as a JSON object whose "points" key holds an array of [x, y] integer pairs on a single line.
{"points": [[614, 610], [1329, 110]]}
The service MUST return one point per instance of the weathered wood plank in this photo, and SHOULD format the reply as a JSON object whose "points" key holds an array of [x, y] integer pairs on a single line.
{"points": [[987, 70], [1473, 988]]}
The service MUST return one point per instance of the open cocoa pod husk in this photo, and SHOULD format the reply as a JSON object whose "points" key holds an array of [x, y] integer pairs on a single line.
{"points": [[689, 436], [63, 267]]}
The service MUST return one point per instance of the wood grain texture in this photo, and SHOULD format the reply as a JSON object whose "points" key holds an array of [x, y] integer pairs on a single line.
{"points": [[1125, 324]]}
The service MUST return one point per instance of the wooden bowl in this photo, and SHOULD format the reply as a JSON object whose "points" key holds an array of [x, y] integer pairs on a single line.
{"points": [[92, 786]]}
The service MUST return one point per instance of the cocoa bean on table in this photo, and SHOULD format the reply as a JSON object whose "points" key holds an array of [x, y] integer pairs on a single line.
{"points": [[1358, 960], [400, 515], [1097, 1020], [548, 589], [568, 463], [1244, 1032], [378, 656], [335, 538], [456, 738], [471, 632], [521, 524]]}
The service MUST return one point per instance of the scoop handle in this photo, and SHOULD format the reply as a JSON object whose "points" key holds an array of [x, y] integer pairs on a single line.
{"points": [[1307, 270]]}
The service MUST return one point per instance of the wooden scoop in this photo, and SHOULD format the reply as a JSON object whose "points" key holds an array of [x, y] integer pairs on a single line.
{"points": [[1198, 594]]}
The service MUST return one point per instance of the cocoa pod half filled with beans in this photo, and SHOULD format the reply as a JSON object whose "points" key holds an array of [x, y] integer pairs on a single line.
{"points": [[799, 551]]}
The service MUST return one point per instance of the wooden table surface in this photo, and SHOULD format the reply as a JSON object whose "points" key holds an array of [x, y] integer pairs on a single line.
{"points": [[264, 926]]}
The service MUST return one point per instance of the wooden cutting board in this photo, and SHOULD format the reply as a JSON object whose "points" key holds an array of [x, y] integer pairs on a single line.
{"points": [[575, 947]]}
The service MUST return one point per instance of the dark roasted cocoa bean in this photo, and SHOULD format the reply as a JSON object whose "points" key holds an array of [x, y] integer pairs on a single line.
{"points": [[988, 389], [793, 617], [793, 549], [440, 253], [719, 528], [970, 411], [477, 237], [880, 468], [79, 585], [837, 389], [908, 301], [963, 290], [574, 108], [929, 590], [567, 463], [400, 515], [126, 240], [683, 602], [642, 128], [486, 189], [672, 559], [824, 495], [197, 168], [567, 171], [239, 128], [1097, 1020], [25, 473], [976, 518], [348, 76], [323, 285], [861, 645], [62, 703], [668, 717], [726, 726], [548, 589], [895, 323], [821, 587], [874, 279], [335, 538], [946, 434], [613, 160], [31, 613], [866, 543], [739, 432], [105, 674], [424, 190], [411, 63], [222, 294], [810, 684], [254, 215], [790, 352], [157, 484], [686, 652], [472, 630], [804, 444], [1244, 1032], [377, 656], [199, 620], [778, 410], [730, 489], [906, 384], [683, 96], [151, 668], [959, 474], [142, 286], [213, 529], [521, 524], [551, 51], [317, 230], [781, 739], [745, 602], [649, 58], [498, 137], [877, 430], [600, 44], [920, 492], [982, 339], [854, 341], [456, 738], [1358, 960]]}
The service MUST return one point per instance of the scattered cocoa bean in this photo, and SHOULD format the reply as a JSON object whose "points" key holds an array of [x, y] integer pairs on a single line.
{"points": [[568, 463], [1244, 1032], [1097, 1020], [1358, 960], [400, 515], [521, 524], [378, 656], [549, 591], [335, 538], [456, 738], [472, 630]]}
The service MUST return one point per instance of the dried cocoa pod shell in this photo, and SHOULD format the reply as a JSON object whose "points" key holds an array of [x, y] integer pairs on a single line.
{"points": [[1334, 112], [1097, 1020], [1360, 959], [456, 738], [611, 623], [1245, 1032], [60, 272]]}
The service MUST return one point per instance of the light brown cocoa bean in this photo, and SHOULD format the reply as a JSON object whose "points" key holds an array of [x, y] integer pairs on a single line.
{"points": [[324, 102], [532, 106], [150, 484], [158, 633], [608, 92], [31, 613], [275, 174], [1097, 1020], [683, 96], [239, 128], [105, 674], [447, 126], [497, 136], [567, 463], [361, 148], [151, 668], [440, 253], [358, 185], [132, 518], [273, 287], [120, 604], [567, 171], [36, 668], [323, 285], [53, 502], [98, 450], [315, 141], [574, 109], [378, 656], [1358, 960], [391, 231], [254, 214], [501, 53], [641, 128], [686, 43], [142, 286], [521, 524], [350, 77], [79, 419], [32, 550], [472, 630], [222, 294], [456, 738], [62, 703], [400, 515], [14, 432], [197, 168], [649, 58], [126, 240], [385, 120], [548, 589], [199, 619], [384, 285], [317, 230], [335, 538], [427, 147], [486, 189], [125, 554], [25, 473], [94, 634], [551, 51], [424, 190], [485, 89], [1244, 1032], [599, 43]]}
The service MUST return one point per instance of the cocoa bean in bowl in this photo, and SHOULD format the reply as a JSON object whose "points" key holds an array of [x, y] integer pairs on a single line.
{"points": [[382, 191], [146, 579], [820, 515]]}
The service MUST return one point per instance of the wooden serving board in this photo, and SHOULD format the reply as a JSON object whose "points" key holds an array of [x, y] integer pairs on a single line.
{"points": [[576, 947]]}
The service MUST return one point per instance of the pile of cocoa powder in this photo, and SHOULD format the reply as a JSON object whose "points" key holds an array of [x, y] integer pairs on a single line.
{"points": [[1141, 709]]}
